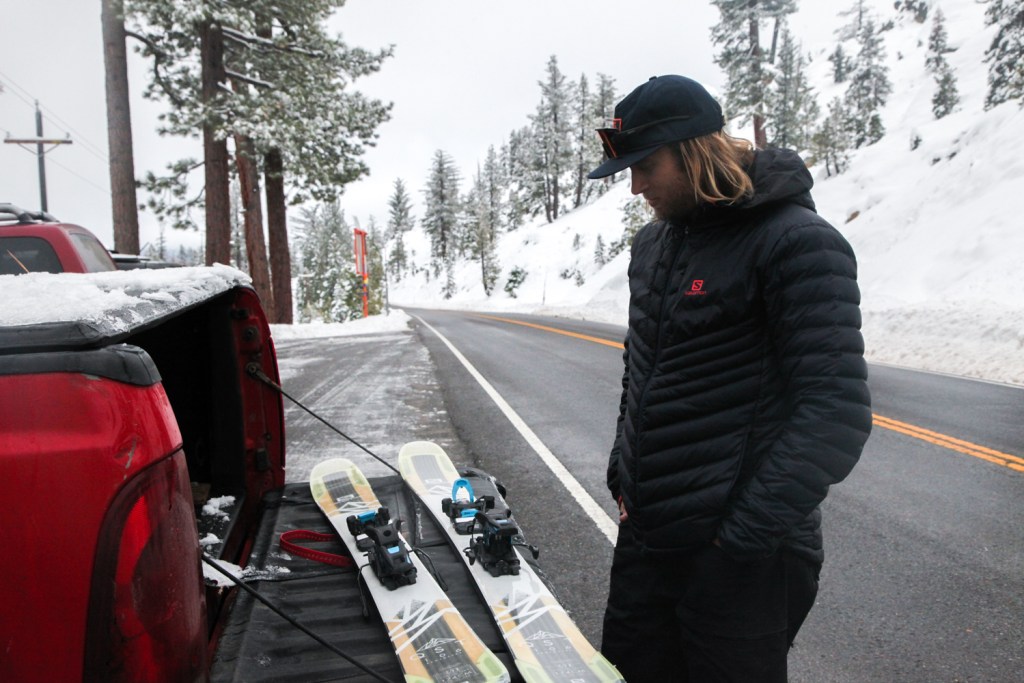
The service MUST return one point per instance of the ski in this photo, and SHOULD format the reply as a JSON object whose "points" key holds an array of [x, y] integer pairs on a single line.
{"points": [[544, 642], [432, 640]]}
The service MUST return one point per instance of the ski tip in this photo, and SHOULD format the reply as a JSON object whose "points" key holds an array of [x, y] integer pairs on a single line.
{"points": [[420, 448], [325, 467]]}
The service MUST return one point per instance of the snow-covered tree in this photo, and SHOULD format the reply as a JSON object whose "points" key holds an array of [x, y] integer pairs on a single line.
{"points": [[840, 64], [855, 14], [605, 99], [793, 108], [400, 221], [947, 96], [1005, 65], [375, 251], [515, 162], [741, 55], [442, 212], [918, 9], [328, 276], [636, 213], [869, 87], [587, 145], [832, 141], [482, 214], [600, 256], [267, 73], [553, 135]]}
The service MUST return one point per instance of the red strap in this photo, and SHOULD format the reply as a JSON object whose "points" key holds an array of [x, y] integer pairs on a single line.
{"points": [[288, 544]]}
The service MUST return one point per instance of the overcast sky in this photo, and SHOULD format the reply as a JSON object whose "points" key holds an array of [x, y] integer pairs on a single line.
{"points": [[464, 75]]}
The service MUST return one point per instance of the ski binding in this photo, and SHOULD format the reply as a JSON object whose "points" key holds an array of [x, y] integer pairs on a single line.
{"points": [[377, 536]]}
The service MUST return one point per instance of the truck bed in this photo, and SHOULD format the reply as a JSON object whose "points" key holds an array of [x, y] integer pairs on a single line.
{"points": [[258, 645]]}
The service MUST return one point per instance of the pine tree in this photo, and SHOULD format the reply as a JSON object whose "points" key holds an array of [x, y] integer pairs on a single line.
{"points": [[741, 56], [832, 140], [600, 258], [515, 161], [587, 146], [442, 211], [495, 191], [947, 96], [329, 278], [869, 87], [1005, 66], [857, 14], [375, 248], [793, 108], [636, 213], [840, 64], [938, 44], [481, 215], [552, 129], [400, 221], [918, 9], [304, 123], [604, 110]]}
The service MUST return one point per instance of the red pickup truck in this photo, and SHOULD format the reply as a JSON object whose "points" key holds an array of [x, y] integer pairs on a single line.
{"points": [[139, 428], [36, 242]]}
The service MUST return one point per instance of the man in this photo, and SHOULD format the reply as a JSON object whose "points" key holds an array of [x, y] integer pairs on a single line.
{"points": [[744, 395]]}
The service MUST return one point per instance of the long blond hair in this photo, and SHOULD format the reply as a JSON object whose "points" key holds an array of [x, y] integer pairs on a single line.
{"points": [[715, 165]]}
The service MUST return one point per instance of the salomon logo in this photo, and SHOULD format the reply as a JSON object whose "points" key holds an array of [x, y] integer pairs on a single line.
{"points": [[696, 288]]}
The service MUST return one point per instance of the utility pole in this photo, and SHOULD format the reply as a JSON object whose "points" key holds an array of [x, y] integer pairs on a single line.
{"points": [[41, 151]]}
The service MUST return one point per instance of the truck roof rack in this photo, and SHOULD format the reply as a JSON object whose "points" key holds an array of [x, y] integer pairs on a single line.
{"points": [[11, 214]]}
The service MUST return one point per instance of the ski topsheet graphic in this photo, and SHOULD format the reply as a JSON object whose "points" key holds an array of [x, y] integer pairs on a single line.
{"points": [[432, 640], [545, 643]]}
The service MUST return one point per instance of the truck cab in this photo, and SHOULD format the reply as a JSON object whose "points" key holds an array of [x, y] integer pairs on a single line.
{"points": [[36, 242]]}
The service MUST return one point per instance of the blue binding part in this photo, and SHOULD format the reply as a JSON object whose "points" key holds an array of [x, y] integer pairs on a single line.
{"points": [[368, 516], [464, 485], [468, 488]]}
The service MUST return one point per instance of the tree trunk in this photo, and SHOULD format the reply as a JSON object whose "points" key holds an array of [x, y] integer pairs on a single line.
{"points": [[255, 246], [757, 77], [125, 211], [215, 153], [775, 40], [277, 227]]}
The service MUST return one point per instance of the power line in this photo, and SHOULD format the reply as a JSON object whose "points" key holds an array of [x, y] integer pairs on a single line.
{"points": [[105, 190], [26, 97]]}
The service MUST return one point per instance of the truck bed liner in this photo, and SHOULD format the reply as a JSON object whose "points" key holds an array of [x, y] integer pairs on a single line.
{"points": [[257, 645]]}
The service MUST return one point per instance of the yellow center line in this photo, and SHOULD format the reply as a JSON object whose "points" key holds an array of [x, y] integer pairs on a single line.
{"points": [[1005, 459], [596, 340]]}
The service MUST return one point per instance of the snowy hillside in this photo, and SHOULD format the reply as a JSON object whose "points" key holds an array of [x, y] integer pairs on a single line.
{"points": [[936, 228]]}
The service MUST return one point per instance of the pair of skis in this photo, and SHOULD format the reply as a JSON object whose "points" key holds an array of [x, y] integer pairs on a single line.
{"points": [[432, 640]]}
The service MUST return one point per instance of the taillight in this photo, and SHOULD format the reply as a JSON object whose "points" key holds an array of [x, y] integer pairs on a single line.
{"points": [[147, 612]]}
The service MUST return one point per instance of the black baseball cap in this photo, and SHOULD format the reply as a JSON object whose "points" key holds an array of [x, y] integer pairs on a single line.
{"points": [[664, 109]]}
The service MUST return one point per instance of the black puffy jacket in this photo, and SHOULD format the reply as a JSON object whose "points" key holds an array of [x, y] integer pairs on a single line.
{"points": [[745, 388]]}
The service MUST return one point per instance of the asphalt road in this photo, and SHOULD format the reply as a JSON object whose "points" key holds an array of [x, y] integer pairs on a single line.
{"points": [[924, 575]]}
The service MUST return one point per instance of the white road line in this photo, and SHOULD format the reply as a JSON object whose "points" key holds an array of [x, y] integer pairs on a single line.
{"points": [[576, 490]]}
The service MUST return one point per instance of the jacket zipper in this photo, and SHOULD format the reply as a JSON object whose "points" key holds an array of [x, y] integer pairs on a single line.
{"points": [[654, 363]]}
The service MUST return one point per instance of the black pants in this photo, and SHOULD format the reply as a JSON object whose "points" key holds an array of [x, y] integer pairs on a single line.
{"points": [[702, 617]]}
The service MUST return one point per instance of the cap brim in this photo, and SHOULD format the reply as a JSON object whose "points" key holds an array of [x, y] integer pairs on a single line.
{"points": [[621, 163]]}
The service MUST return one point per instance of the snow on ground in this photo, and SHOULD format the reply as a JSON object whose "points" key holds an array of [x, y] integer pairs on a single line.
{"points": [[395, 321]]}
